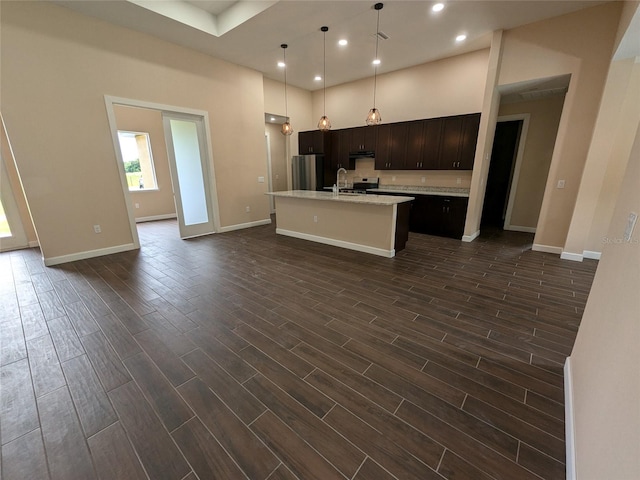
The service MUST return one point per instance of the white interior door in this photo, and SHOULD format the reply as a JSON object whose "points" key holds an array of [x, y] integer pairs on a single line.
{"points": [[12, 234], [189, 165]]}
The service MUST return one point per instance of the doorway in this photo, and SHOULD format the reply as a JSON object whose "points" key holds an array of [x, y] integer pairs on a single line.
{"points": [[501, 172], [189, 154], [12, 234]]}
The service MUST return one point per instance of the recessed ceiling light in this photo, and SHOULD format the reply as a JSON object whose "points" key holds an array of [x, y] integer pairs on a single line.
{"points": [[281, 64], [273, 119], [438, 7], [460, 38], [376, 61], [317, 78], [342, 42]]}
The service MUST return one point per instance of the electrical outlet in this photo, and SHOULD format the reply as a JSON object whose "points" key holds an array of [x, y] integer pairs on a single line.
{"points": [[277, 176], [315, 219], [423, 179], [97, 229], [393, 178], [247, 208], [137, 205], [458, 180], [560, 183]]}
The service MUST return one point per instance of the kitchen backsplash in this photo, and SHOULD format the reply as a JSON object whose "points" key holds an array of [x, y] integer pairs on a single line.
{"points": [[432, 178]]}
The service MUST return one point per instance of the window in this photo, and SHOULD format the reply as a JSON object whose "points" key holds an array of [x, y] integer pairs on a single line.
{"points": [[138, 161], [5, 231]]}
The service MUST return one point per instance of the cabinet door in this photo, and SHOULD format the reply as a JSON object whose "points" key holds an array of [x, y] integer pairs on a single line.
{"points": [[415, 143], [305, 143], [340, 149], [382, 147], [398, 145], [454, 210], [432, 133], [470, 126], [450, 142], [362, 139]]}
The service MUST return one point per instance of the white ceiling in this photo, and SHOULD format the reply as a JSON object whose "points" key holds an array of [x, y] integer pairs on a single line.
{"points": [[249, 33]]}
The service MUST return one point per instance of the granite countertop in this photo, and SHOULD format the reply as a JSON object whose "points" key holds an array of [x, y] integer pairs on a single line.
{"points": [[343, 197], [416, 190]]}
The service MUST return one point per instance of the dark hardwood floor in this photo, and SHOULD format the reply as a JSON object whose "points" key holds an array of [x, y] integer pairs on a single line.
{"points": [[249, 356]]}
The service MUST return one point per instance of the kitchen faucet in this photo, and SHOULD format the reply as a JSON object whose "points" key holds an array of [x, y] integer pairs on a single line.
{"points": [[341, 170]]}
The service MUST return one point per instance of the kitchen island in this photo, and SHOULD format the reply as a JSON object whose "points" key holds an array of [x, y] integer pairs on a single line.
{"points": [[376, 224]]}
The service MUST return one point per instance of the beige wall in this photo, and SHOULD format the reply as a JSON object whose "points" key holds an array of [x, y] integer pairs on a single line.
{"points": [[150, 203], [605, 357], [581, 44], [57, 66], [544, 117], [451, 86], [607, 159]]}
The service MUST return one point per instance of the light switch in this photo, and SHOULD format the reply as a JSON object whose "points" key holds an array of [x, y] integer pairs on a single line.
{"points": [[260, 179], [560, 183]]}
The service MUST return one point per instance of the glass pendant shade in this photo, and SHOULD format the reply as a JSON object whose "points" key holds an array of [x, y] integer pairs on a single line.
{"points": [[374, 117], [324, 124], [286, 128]]}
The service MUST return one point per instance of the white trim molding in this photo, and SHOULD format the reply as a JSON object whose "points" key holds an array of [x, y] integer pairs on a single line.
{"points": [[34, 244], [537, 247], [472, 237], [153, 218], [72, 257], [569, 427], [518, 228], [240, 226], [574, 257], [338, 243], [591, 254]]}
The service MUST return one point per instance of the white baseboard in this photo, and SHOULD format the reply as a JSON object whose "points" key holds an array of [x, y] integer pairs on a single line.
{"points": [[34, 244], [153, 218], [575, 257], [591, 254], [568, 421], [546, 248], [50, 261], [240, 226], [518, 228], [338, 243], [472, 237]]}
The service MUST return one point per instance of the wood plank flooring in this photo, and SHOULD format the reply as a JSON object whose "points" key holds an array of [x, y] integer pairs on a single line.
{"points": [[246, 355]]}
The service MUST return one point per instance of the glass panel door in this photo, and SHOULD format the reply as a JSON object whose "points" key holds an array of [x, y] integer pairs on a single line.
{"points": [[188, 163]]}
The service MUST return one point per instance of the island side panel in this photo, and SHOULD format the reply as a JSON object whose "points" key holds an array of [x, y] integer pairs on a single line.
{"points": [[402, 225], [366, 225]]}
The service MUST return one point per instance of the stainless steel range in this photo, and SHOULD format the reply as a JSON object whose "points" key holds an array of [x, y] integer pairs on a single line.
{"points": [[361, 185]]}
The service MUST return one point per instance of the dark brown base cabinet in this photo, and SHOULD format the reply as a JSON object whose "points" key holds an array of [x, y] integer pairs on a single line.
{"points": [[439, 215]]}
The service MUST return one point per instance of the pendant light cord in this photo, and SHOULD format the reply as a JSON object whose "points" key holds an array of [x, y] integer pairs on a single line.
{"points": [[375, 69], [284, 60], [324, 71]]}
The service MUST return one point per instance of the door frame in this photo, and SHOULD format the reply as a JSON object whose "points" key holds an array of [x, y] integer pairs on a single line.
{"points": [[110, 101], [513, 187], [18, 238], [272, 200]]}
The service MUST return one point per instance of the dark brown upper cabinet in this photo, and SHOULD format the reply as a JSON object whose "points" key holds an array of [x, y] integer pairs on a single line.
{"points": [[362, 139], [391, 146], [314, 142], [415, 144], [458, 142], [432, 132]]}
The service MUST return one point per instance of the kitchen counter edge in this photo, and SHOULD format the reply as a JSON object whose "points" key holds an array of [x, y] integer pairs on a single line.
{"points": [[348, 198]]}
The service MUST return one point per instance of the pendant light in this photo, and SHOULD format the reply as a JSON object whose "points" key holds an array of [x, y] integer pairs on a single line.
{"points": [[324, 124], [374, 118], [286, 128]]}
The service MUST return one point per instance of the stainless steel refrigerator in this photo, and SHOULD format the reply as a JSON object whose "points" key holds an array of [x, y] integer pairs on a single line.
{"points": [[307, 172]]}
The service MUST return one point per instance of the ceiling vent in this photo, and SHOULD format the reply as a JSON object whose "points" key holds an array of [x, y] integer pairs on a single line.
{"points": [[383, 35]]}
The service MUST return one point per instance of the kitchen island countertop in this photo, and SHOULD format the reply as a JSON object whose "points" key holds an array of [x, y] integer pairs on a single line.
{"points": [[344, 197]]}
